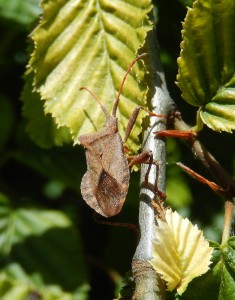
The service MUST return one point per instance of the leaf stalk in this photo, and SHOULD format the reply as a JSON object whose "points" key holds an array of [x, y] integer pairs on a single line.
{"points": [[228, 220]]}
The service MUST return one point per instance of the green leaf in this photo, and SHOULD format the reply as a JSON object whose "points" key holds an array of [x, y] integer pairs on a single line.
{"points": [[23, 12], [44, 254], [177, 189], [11, 289], [127, 286], [82, 43], [5, 224], [40, 127], [207, 62], [178, 192], [219, 282], [63, 164], [228, 279], [187, 2]]}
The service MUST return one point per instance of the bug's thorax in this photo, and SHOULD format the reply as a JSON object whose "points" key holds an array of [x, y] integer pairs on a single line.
{"points": [[111, 125]]}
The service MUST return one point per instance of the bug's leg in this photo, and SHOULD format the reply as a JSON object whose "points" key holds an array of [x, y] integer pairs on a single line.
{"points": [[133, 118], [186, 133], [160, 208], [160, 197], [131, 123], [146, 157]]}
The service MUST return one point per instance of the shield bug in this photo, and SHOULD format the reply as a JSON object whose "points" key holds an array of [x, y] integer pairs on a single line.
{"points": [[105, 184]]}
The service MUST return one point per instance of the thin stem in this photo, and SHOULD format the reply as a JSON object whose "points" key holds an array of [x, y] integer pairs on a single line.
{"points": [[219, 173], [208, 160], [148, 284], [228, 219]]}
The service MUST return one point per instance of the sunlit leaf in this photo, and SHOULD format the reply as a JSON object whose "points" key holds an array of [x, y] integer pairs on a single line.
{"points": [[82, 43], [180, 252], [207, 62]]}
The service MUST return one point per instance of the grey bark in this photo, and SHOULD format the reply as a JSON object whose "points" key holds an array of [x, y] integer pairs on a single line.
{"points": [[148, 283]]}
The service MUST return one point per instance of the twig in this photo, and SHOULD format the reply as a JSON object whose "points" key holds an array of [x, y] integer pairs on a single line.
{"points": [[228, 219], [208, 160], [148, 283], [220, 174]]}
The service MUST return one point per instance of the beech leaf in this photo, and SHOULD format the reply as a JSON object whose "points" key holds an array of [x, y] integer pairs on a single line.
{"points": [[89, 43], [206, 64], [180, 252]]}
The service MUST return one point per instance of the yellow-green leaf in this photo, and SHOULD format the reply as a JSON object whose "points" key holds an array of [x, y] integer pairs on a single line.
{"points": [[89, 43], [207, 62], [180, 252]]}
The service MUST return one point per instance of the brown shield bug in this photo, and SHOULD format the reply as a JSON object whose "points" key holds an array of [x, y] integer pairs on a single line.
{"points": [[105, 184]]}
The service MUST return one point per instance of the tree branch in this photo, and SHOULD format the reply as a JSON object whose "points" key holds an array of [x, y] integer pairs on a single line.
{"points": [[148, 283]]}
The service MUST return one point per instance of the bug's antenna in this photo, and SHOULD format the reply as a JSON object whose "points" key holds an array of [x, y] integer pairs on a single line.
{"points": [[107, 115], [123, 81]]}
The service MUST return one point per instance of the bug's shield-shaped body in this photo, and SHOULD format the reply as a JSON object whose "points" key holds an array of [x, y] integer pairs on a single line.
{"points": [[105, 184]]}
